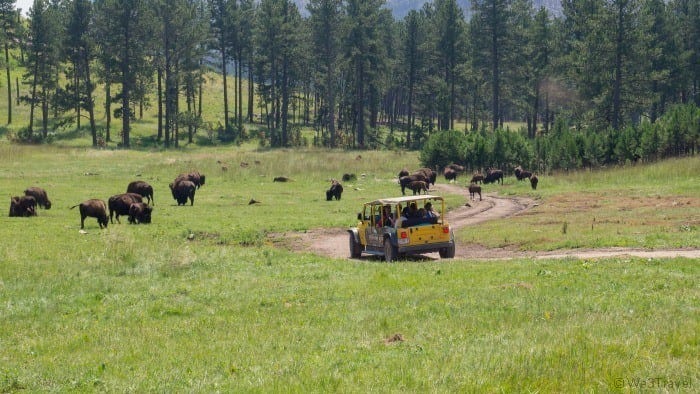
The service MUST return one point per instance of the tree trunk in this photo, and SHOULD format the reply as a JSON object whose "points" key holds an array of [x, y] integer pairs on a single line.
{"points": [[9, 83]]}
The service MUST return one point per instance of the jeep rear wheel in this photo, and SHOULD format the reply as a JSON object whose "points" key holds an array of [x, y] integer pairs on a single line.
{"points": [[390, 251], [448, 252], [355, 248]]}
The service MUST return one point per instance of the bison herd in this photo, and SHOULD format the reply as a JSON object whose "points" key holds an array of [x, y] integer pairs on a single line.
{"points": [[130, 204]]}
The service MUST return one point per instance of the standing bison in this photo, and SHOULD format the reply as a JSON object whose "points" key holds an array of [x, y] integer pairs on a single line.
{"points": [[474, 189], [119, 204], [533, 182], [418, 186], [39, 194], [182, 190], [93, 208], [477, 178], [336, 191], [193, 176], [521, 174], [142, 188], [404, 181], [140, 213], [23, 206], [450, 174], [494, 176]]}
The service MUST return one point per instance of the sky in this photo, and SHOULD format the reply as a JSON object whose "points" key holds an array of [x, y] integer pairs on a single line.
{"points": [[24, 5]]}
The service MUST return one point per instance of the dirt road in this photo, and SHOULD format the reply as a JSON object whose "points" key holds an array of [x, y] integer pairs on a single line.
{"points": [[334, 242]]}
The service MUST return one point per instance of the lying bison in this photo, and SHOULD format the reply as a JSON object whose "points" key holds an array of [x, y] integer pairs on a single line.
{"points": [[119, 204], [347, 177], [142, 188], [183, 190], [418, 186], [533, 182], [140, 213], [494, 176], [42, 200], [474, 189], [93, 208], [336, 191], [23, 206]]}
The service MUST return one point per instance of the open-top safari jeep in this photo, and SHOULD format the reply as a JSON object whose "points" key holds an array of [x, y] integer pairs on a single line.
{"points": [[393, 227]]}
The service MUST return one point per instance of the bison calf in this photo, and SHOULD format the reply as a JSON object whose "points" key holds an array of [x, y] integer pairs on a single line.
{"points": [[120, 204], [39, 194], [418, 187], [93, 208], [142, 188], [140, 213], [474, 189]]}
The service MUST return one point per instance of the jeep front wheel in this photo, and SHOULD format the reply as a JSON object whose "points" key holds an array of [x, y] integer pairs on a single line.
{"points": [[390, 251], [355, 248]]}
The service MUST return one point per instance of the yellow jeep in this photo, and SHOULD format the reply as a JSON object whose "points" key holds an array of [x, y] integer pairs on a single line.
{"points": [[393, 227]]}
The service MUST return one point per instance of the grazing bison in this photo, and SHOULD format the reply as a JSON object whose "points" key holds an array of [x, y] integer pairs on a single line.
{"points": [[23, 206], [120, 203], [418, 186], [140, 213], [194, 177], [405, 180], [182, 191], [474, 189], [533, 182], [142, 188], [93, 208], [477, 178], [42, 200], [336, 191], [494, 176], [450, 174]]}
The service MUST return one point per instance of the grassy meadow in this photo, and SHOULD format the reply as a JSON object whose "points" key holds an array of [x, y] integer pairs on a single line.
{"points": [[202, 300]]}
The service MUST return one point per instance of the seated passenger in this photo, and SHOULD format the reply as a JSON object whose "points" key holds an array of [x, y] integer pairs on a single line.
{"points": [[387, 217], [429, 212]]}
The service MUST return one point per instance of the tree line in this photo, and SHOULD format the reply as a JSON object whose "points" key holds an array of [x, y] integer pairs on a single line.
{"points": [[353, 72]]}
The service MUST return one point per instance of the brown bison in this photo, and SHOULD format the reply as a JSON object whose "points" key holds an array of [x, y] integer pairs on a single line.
{"points": [[418, 186], [336, 191], [428, 173], [494, 176], [404, 172], [42, 200], [142, 188], [23, 206], [140, 213], [405, 180], [349, 177], [93, 208], [533, 182], [474, 189], [456, 167], [477, 178], [450, 174], [521, 174], [193, 176], [183, 190], [281, 179], [120, 203]]}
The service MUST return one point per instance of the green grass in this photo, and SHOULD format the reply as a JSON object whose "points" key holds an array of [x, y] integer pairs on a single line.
{"points": [[200, 300]]}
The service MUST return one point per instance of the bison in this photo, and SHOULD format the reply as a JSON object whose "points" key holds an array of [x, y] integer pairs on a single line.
{"points": [[281, 179], [120, 203], [140, 213], [183, 190], [142, 188], [349, 177], [494, 176], [474, 189], [93, 208], [194, 177], [23, 206], [533, 182], [336, 191], [477, 178], [521, 174], [405, 180], [42, 200], [428, 173], [418, 186], [404, 172], [450, 174]]}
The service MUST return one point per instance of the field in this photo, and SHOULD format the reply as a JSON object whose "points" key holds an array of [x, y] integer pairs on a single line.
{"points": [[202, 299]]}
